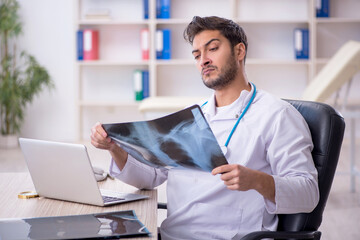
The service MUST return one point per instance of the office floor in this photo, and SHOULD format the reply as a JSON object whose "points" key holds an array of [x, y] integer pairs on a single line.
{"points": [[342, 213]]}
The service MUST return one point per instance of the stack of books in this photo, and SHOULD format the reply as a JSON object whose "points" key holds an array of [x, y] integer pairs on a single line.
{"points": [[97, 14]]}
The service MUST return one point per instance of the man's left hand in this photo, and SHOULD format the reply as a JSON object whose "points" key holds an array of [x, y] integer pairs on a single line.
{"points": [[238, 177]]}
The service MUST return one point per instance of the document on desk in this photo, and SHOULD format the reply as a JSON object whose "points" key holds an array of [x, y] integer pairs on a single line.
{"points": [[181, 139], [95, 226]]}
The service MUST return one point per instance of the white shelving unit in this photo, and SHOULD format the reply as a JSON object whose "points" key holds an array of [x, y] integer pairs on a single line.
{"points": [[105, 87]]}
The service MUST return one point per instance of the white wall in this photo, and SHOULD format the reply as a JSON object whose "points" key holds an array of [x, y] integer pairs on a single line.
{"points": [[48, 34]]}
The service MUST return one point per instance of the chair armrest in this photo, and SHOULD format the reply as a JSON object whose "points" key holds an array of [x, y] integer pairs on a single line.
{"points": [[283, 235], [162, 205]]}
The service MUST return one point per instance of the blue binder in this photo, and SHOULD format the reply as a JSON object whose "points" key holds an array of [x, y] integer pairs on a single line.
{"points": [[167, 44], [165, 9], [80, 44], [301, 43], [145, 82], [146, 9], [158, 8], [322, 8]]}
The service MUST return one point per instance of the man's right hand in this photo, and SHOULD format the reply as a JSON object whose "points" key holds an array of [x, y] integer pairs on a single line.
{"points": [[100, 139]]}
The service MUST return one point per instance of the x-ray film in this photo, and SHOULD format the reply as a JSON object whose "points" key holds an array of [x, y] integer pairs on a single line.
{"points": [[181, 139], [89, 226]]}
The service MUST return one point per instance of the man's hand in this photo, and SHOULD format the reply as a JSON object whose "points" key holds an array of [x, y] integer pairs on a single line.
{"points": [[100, 139], [238, 177]]}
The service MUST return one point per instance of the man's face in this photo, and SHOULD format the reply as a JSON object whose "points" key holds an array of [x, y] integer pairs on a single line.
{"points": [[215, 59]]}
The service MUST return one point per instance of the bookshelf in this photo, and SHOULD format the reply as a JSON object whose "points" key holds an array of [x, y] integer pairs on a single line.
{"points": [[105, 86]]}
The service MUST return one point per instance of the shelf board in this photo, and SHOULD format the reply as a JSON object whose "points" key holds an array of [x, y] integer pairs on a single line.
{"points": [[175, 62], [322, 60], [184, 62], [251, 61], [168, 103], [254, 61], [273, 21], [125, 103], [113, 22], [172, 21], [255, 21], [337, 20], [113, 63]]}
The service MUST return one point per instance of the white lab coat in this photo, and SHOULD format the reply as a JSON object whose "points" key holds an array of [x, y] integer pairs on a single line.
{"points": [[272, 137]]}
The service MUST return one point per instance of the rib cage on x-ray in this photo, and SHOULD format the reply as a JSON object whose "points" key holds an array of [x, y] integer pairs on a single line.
{"points": [[181, 139]]}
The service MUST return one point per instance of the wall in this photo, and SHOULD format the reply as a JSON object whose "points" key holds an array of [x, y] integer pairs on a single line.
{"points": [[48, 34]]}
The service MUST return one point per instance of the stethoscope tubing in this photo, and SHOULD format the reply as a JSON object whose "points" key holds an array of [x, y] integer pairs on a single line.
{"points": [[240, 117]]}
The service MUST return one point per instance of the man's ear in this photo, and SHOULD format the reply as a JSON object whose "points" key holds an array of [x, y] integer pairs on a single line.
{"points": [[240, 51]]}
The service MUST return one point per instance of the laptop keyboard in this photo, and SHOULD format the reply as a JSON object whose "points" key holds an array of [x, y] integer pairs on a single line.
{"points": [[108, 199]]}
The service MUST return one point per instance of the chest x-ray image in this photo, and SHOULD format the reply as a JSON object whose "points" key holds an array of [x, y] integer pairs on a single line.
{"points": [[181, 139]]}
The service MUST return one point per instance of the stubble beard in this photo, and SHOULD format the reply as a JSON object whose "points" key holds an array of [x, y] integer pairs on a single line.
{"points": [[226, 76]]}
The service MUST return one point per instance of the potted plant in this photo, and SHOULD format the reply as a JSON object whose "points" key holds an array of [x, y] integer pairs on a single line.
{"points": [[21, 76]]}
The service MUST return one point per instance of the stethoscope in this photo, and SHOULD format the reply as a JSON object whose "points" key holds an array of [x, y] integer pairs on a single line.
{"points": [[224, 148]]}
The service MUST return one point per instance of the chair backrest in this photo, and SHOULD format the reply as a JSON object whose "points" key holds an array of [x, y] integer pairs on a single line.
{"points": [[327, 130]]}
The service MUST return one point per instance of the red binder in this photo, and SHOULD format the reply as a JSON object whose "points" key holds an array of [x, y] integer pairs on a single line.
{"points": [[145, 44], [91, 44]]}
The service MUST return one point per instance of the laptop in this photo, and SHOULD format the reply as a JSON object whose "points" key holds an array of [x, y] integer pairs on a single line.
{"points": [[63, 171]]}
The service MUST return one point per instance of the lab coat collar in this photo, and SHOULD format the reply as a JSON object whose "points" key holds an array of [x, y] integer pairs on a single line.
{"points": [[234, 109]]}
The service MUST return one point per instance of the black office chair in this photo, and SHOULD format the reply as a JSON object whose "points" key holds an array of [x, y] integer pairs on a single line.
{"points": [[327, 130]]}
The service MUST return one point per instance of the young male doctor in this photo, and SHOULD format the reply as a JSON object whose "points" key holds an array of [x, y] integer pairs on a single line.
{"points": [[268, 148]]}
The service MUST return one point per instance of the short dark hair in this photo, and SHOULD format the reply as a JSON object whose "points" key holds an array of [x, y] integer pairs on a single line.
{"points": [[228, 28]]}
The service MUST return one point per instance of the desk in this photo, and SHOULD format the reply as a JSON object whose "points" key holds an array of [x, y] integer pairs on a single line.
{"points": [[11, 184]]}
